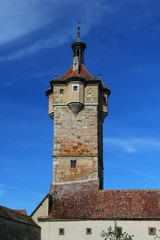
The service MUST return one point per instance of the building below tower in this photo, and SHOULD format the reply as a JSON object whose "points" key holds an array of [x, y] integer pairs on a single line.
{"points": [[77, 207]]}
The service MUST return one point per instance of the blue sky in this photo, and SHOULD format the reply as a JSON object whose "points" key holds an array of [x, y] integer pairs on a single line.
{"points": [[122, 38]]}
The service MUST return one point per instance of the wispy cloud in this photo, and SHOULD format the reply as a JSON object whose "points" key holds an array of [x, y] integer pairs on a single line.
{"points": [[19, 18], [22, 18], [132, 171], [6, 188], [28, 144], [27, 17], [2, 190], [54, 41], [29, 191], [132, 145]]}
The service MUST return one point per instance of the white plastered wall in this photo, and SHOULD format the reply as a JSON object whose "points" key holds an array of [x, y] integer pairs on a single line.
{"points": [[77, 229], [42, 210]]}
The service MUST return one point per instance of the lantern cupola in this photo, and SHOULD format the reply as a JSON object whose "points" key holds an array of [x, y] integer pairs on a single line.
{"points": [[78, 48]]}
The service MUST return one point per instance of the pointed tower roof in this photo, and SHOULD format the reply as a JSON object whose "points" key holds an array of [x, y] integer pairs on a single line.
{"points": [[78, 47], [77, 71], [78, 40], [81, 73]]}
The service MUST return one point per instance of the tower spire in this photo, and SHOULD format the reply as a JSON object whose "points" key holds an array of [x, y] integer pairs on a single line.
{"points": [[78, 34], [78, 47]]}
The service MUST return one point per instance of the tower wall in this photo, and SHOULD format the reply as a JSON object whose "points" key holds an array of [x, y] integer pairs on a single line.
{"points": [[77, 138], [78, 104]]}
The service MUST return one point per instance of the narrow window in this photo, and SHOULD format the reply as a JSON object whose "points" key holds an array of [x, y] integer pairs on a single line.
{"points": [[75, 88], [151, 231], [73, 163], [77, 52], [104, 99], [61, 231], [61, 91], [88, 231]]}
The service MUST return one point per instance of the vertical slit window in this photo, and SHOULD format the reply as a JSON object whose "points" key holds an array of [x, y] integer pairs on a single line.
{"points": [[73, 163]]}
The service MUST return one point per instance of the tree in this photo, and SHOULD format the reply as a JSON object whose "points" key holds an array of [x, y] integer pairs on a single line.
{"points": [[115, 233]]}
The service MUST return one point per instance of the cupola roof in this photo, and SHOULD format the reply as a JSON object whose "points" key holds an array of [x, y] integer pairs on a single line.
{"points": [[78, 40], [77, 71], [78, 48]]}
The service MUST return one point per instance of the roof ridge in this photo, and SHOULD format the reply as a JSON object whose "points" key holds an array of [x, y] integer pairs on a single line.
{"points": [[66, 72]]}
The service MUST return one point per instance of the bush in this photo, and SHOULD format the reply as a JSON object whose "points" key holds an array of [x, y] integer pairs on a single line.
{"points": [[116, 234]]}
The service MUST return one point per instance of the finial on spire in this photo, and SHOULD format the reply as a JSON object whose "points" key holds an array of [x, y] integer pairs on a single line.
{"points": [[78, 47], [79, 24], [78, 34]]}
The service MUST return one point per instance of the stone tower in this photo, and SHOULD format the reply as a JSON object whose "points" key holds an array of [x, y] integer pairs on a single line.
{"points": [[78, 104]]}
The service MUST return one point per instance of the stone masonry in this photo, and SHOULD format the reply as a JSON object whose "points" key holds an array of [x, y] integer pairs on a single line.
{"points": [[75, 139], [78, 104]]}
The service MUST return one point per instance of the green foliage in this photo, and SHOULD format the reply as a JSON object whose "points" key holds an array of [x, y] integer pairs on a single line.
{"points": [[157, 235], [115, 233]]}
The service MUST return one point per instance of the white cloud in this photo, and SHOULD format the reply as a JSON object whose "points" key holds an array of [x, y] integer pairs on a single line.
{"points": [[54, 41], [1, 193], [132, 171], [7, 188], [21, 18], [18, 18], [19, 189], [2, 190], [132, 145]]}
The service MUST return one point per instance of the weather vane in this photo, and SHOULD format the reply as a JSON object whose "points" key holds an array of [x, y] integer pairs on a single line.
{"points": [[79, 24]]}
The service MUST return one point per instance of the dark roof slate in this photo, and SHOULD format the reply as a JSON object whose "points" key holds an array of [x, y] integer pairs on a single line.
{"points": [[16, 216]]}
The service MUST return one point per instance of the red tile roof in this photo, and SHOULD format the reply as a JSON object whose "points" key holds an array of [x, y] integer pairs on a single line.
{"points": [[83, 73], [85, 201], [23, 211]]}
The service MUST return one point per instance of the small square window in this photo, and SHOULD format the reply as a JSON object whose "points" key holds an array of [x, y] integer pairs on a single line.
{"points": [[75, 88], [61, 231], [88, 231], [151, 231], [61, 91], [73, 163]]}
